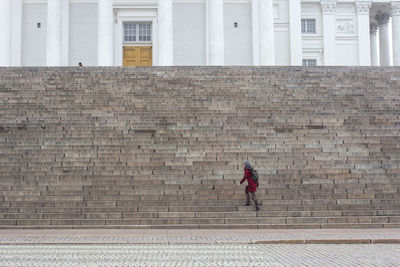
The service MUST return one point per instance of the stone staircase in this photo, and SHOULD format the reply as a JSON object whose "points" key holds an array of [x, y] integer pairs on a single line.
{"points": [[164, 147]]}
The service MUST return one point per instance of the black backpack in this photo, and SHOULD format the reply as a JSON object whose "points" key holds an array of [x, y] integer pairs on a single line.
{"points": [[254, 175]]}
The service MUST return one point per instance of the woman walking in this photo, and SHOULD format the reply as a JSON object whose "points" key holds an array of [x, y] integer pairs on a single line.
{"points": [[251, 188]]}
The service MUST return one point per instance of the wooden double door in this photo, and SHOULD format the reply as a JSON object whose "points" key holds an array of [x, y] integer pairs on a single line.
{"points": [[138, 56]]}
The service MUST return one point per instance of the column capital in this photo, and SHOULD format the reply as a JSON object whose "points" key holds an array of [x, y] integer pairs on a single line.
{"points": [[395, 8], [328, 7], [382, 17], [363, 7], [373, 27]]}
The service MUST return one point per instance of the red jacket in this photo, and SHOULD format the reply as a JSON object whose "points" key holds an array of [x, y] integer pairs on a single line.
{"points": [[252, 185]]}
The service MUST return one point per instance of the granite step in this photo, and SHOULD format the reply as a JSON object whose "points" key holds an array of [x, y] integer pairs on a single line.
{"points": [[84, 147]]}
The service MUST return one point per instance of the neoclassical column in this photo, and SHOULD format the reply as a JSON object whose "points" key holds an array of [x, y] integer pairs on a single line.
{"points": [[267, 34], [216, 32], [5, 33], [364, 42], [296, 48], [105, 46], [54, 33], [364, 49], [382, 18], [255, 14], [165, 33], [65, 35], [396, 32], [329, 24], [374, 44]]}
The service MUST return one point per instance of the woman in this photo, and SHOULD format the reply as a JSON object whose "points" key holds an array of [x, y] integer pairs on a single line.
{"points": [[251, 188]]}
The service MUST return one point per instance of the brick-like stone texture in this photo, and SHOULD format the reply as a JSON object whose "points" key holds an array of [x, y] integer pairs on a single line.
{"points": [[164, 147]]}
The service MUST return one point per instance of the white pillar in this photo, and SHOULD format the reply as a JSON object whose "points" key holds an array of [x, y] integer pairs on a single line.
{"points": [[329, 24], [364, 42], [374, 45], [255, 13], [383, 21], [5, 33], [65, 35], [105, 47], [54, 33], [296, 50], [396, 32], [384, 44], [165, 33], [216, 32], [16, 33], [267, 34]]}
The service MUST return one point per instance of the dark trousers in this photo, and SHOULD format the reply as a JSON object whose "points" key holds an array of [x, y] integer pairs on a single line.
{"points": [[253, 195]]}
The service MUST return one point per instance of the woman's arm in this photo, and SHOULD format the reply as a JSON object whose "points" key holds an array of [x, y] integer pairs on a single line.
{"points": [[247, 175]]}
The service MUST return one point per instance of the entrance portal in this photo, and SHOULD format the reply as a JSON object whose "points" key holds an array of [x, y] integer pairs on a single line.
{"points": [[137, 56]]}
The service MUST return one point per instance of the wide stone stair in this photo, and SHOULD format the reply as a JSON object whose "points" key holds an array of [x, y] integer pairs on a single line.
{"points": [[164, 147]]}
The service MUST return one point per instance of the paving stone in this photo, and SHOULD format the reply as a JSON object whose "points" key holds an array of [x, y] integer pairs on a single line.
{"points": [[200, 255]]}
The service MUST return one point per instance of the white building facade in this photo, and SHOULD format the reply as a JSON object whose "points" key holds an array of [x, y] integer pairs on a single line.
{"points": [[199, 32]]}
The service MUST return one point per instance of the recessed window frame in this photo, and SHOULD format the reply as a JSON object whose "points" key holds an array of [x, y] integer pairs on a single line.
{"points": [[308, 26], [309, 62], [137, 32]]}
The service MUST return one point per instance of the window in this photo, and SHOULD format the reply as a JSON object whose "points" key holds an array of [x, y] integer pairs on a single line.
{"points": [[130, 32], [145, 32], [137, 32], [309, 62], [308, 26]]}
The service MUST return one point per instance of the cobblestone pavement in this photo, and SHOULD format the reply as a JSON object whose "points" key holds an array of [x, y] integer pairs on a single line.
{"points": [[168, 236], [200, 255]]}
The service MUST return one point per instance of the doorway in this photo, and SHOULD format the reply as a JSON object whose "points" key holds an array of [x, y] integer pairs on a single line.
{"points": [[137, 56], [137, 45]]}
